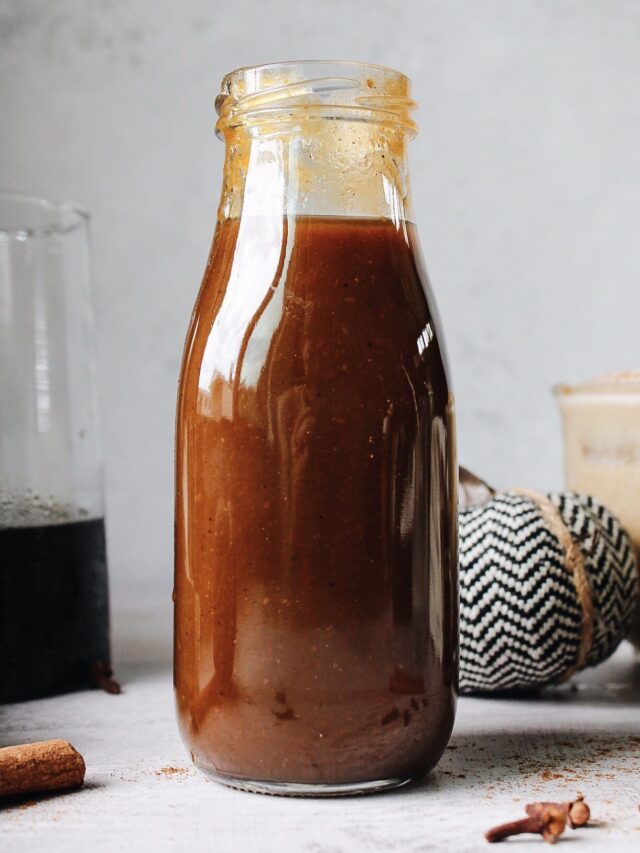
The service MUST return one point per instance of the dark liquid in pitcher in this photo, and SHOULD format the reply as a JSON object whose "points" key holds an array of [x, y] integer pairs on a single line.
{"points": [[316, 636], [54, 614]]}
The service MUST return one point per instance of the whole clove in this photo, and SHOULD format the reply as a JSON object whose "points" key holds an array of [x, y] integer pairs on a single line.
{"points": [[101, 676], [549, 822]]}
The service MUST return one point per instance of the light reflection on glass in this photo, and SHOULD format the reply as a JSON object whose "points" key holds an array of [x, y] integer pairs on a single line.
{"points": [[41, 365], [255, 268], [425, 338]]}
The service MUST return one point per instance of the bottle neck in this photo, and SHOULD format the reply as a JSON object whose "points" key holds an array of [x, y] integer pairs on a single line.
{"points": [[317, 168]]}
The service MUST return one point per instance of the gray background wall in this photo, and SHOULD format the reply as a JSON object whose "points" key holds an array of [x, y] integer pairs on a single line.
{"points": [[525, 181]]}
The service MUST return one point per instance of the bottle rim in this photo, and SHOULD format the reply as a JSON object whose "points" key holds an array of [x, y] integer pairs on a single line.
{"points": [[289, 92], [23, 215], [622, 384]]}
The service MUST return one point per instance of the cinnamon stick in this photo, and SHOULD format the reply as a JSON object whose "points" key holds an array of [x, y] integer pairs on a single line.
{"points": [[50, 765]]}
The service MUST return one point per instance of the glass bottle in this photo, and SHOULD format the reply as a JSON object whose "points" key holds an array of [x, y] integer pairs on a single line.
{"points": [[54, 615], [601, 435], [316, 552]]}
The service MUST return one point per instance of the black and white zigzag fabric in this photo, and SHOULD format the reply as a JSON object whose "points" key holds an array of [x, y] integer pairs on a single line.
{"points": [[521, 620]]}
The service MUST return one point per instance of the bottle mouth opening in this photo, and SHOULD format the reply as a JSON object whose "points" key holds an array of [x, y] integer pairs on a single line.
{"points": [[288, 92]]}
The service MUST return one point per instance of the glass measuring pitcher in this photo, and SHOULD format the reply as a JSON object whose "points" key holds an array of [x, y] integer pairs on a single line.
{"points": [[54, 621]]}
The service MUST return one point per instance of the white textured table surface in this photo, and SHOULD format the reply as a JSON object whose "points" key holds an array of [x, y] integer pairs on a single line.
{"points": [[142, 793]]}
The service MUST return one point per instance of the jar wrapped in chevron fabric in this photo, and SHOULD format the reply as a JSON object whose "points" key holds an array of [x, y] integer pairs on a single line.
{"points": [[548, 585]]}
